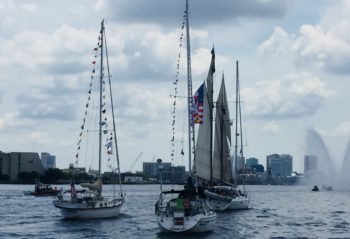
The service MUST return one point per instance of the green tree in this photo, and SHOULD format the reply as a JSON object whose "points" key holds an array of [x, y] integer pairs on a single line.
{"points": [[53, 175]]}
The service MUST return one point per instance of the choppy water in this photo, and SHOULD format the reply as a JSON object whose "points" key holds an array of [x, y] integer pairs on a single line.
{"points": [[277, 212]]}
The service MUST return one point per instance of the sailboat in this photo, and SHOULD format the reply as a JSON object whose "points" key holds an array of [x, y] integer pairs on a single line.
{"points": [[90, 203], [222, 193], [185, 210]]}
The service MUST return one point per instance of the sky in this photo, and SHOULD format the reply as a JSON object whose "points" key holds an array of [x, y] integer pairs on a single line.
{"points": [[294, 61]]}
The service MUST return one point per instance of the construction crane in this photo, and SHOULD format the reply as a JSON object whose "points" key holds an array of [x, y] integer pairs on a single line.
{"points": [[135, 161]]}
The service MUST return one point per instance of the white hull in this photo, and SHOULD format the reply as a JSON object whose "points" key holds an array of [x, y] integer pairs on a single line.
{"points": [[239, 203], [191, 224], [222, 202], [79, 211]]}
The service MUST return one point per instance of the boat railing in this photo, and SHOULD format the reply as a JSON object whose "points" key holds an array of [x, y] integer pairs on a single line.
{"points": [[188, 207]]}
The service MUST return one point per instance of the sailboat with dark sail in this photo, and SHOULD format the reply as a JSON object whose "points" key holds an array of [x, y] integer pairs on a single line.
{"points": [[185, 210], [90, 203], [222, 193]]}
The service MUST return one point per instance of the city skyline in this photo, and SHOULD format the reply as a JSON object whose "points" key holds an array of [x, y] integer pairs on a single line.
{"points": [[293, 69]]}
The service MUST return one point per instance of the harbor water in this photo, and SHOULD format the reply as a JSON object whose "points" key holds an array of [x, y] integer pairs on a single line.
{"points": [[276, 212]]}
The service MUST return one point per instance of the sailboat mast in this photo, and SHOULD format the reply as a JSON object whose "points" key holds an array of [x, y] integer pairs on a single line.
{"points": [[100, 111], [222, 137], [236, 129], [211, 107], [113, 118], [189, 92], [240, 119]]}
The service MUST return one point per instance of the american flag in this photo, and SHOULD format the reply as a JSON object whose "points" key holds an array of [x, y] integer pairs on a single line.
{"points": [[197, 110]]}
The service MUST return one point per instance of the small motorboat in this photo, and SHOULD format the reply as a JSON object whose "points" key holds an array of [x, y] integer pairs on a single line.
{"points": [[43, 190], [315, 189]]}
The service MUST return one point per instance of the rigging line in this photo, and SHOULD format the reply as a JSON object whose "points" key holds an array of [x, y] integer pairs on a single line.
{"points": [[86, 117], [93, 122], [176, 83], [113, 118]]}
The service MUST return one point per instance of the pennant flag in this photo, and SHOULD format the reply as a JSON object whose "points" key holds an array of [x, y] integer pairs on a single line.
{"points": [[109, 144], [197, 106]]}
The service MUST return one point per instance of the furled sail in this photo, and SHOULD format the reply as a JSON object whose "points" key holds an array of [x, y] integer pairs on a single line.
{"points": [[96, 186], [222, 138]]}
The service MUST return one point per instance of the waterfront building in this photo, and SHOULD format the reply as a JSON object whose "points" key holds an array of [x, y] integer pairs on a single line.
{"points": [[133, 179], [74, 170], [151, 169], [251, 161], [11, 164], [175, 174], [279, 165], [259, 168], [48, 160]]}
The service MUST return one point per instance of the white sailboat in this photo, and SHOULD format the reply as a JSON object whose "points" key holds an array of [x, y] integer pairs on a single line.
{"points": [[185, 211], [90, 202], [222, 194]]}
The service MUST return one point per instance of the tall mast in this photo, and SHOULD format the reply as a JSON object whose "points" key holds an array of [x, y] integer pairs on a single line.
{"points": [[222, 134], [189, 92], [222, 140], [240, 119], [113, 118], [211, 107], [236, 130], [100, 107]]}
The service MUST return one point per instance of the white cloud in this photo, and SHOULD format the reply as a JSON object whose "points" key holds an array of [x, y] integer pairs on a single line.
{"points": [[342, 129], [29, 7], [278, 42], [272, 127], [7, 120], [39, 137], [325, 45], [295, 95]]}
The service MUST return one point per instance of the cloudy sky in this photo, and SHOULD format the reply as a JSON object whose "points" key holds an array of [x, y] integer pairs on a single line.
{"points": [[294, 68]]}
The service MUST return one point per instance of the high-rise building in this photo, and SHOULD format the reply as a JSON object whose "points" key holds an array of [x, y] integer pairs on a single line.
{"points": [[259, 168], [151, 169], [279, 165], [11, 164], [310, 163], [251, 161], [170, 173], [48, 160]]}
